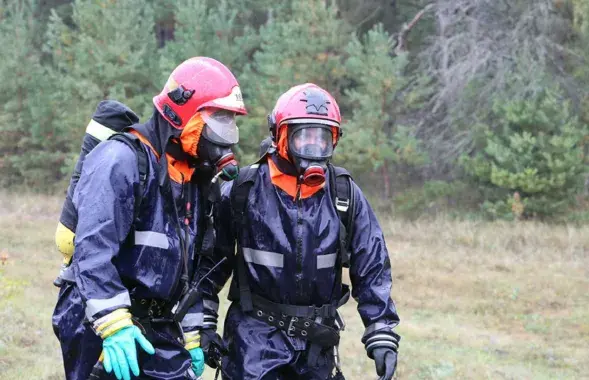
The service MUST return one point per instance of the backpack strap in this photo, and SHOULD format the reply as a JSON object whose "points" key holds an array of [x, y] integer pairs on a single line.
{"points": [[343, 195], [135, 144], [213, 195], [239, 196]]}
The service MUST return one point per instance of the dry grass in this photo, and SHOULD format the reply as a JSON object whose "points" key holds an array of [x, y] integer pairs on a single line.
{"points": [[477, 300]]}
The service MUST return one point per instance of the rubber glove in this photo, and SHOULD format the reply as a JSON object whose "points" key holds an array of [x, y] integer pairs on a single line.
{"points": [[212, 346], [119, 335], [385, 360], [120, 352], [193, 346], [198, 361]]}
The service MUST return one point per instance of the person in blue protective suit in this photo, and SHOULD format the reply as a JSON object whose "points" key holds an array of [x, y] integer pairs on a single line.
{"points": [[298, 221], [133, 262]]}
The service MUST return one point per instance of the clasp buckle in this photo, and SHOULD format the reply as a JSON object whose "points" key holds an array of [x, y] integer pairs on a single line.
{"points": [[342, 204], [291, 327]]}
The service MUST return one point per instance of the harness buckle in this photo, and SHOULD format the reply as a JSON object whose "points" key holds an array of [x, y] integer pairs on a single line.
{"points": [[291, 328], [325, 311], [342, 204]]}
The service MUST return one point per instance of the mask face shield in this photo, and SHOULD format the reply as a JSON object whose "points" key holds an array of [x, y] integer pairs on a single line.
{"points": [[220, 126], [311, 147], [311, 141]]}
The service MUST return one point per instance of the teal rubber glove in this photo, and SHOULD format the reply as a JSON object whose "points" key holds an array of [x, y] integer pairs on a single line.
{"points": [[120, 352], [198, 361]]}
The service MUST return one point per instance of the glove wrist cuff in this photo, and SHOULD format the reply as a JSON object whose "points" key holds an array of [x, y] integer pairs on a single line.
{"points": [[381, 339], [112, 323], [192, 345], [209, 322], [192, 340]]}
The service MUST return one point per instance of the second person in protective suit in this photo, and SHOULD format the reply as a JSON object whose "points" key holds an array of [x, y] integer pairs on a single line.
{"points": [[134, 261], [297, 221]]}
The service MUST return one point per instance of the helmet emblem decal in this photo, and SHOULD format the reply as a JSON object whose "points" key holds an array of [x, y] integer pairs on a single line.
{"points": [[316, 102]]}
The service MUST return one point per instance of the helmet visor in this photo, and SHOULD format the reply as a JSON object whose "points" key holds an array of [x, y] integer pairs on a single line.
{"points": [[311, 141], [220, 126]]}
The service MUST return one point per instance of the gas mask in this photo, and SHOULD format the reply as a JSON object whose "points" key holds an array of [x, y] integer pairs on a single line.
{"points": [[218, 136], [208, 139], [310, 147]]}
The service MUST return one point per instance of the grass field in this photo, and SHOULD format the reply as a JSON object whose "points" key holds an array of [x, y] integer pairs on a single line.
{"points": [[476, 300]]}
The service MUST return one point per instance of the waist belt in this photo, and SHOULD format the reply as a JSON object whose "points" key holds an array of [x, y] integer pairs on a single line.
{"points": [[324, 311], [301, 321]]}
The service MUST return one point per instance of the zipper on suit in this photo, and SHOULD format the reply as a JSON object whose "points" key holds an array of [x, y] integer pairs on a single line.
{"points": [[299, 255]]}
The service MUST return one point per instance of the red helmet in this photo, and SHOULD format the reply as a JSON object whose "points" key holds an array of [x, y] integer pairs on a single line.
{"points": [[197, 83], [302, 104]]}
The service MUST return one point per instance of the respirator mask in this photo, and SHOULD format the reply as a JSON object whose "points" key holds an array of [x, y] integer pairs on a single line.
{"points": [[310, 147]]}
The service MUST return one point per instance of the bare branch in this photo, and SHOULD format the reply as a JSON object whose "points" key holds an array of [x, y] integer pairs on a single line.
{"points": [[481, 49], [400, 46]]}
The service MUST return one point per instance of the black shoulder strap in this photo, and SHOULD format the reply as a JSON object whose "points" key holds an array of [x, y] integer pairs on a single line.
{"points": [[142, 162], [212, 193], [240, 190], [343, 198], [239, 196]]}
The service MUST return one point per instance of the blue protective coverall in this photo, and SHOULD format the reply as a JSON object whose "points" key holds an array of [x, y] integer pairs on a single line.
{"points": [[119, 262], [289, 246]]}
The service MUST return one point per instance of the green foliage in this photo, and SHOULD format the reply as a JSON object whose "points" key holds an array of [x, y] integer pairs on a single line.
{"points": [[407, 113], [304, 45], [535, 147], [207, 31], [373, 140], [371, 135], [28, 150], [106, 50]]}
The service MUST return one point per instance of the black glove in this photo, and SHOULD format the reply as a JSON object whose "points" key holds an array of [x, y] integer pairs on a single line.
{"points": [[212, 347], [385, 360]]}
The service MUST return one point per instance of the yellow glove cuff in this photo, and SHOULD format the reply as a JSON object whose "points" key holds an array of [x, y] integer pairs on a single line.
{"points": [[192, 336], [113, 322], [190, 346], [116, 327], [192, 340]]}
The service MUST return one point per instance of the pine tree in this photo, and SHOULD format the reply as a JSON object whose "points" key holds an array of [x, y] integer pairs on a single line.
{"points": [[211, 31], [28, 152], [299, 45], [535, 148], [107, 51], [373, 142]]}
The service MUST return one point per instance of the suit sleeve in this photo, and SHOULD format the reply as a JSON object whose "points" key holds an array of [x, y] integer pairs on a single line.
{"points": [[104, 199], [370, 272]]}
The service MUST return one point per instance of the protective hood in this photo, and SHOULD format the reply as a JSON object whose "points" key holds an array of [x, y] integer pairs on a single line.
{"points": [[160, 136], [157, 131]]}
